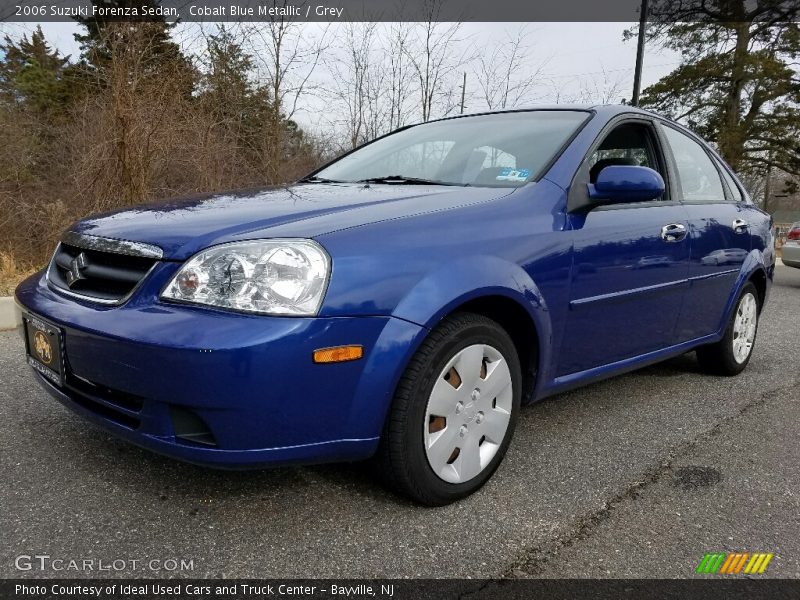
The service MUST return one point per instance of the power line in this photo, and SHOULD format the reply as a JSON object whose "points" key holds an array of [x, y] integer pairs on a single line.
{"points": [[603, 71]]}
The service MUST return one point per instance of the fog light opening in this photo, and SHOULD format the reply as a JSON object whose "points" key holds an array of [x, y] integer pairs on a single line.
{"points": [[190, 428]]}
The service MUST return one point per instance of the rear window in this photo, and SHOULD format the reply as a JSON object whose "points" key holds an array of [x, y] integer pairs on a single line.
{"points": [[499, 150]]}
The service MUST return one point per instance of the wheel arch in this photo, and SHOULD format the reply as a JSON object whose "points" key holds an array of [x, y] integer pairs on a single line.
{"points": [[518, 324], [496, 289], [759, 279], [754, 270]]}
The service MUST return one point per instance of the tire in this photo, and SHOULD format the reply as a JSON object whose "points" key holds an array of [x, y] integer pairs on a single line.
{"points": [[732, 353], [409, 458]]}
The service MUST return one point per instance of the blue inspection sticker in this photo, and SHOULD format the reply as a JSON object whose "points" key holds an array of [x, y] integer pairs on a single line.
{"points": [[509, 174]]}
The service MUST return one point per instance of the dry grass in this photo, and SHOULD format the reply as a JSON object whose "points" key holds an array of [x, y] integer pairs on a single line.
{"points": [[11, 274], [134, 130]]}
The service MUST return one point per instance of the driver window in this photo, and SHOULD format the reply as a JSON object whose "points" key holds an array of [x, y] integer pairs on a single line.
{"points": [[629, 144]]}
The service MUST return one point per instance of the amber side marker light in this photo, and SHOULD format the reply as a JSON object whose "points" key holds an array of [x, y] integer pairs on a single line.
{"points": [[338, 354]]}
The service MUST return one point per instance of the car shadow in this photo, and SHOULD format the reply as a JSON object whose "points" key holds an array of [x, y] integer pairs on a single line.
{"points": [[680, 365], [97, 454]]}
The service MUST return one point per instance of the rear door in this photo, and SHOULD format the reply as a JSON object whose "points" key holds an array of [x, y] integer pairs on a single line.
{"points": [[629, 277], [719, 222]]}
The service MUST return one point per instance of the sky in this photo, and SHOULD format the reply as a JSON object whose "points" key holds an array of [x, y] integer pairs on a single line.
{"points": [[574, 58]]}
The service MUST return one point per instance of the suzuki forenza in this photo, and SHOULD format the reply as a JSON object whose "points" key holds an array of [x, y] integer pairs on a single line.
{"points": [[402, 302]]}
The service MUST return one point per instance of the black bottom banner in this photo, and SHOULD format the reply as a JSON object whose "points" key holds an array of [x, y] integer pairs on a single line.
{"points": [[398, 589]]}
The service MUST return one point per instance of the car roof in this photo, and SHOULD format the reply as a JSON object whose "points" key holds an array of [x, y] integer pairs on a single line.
{"points": [[606, 109]]}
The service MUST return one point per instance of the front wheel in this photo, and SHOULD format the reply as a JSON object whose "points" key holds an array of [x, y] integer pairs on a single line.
{"points": [[730, 355], [454, 412]]}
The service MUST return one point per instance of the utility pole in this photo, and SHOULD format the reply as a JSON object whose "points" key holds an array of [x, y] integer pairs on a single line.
{"points": [[463, 92], [768, 183], [637, 74]]}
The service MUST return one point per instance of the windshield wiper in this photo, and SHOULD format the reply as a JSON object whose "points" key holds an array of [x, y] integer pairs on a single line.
{"points": [[315, 179], [402, 179]]}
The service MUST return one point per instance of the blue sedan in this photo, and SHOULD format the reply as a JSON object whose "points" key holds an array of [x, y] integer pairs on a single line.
{"points": [[401, 303]]}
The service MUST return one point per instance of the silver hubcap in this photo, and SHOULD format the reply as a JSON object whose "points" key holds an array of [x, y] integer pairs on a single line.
{"points": [[744, 328], [468, 412]]}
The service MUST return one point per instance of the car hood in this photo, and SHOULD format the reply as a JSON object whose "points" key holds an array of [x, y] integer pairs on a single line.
{"points": [[181, 228]]}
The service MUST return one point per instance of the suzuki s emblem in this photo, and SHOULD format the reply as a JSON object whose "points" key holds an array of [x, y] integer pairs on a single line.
{"points": [[76, 267], [43, 348]]}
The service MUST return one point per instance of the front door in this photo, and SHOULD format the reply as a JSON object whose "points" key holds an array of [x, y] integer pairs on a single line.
{"points": [[629, 273]]}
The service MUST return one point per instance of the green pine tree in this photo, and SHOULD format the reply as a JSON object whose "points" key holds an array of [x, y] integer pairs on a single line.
{"points": [[104, 38], [226, 88], [243, 109], [737, 82], [33, 75]]}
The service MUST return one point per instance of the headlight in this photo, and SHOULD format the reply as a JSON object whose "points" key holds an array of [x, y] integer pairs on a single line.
{"points": [[275, 277]]}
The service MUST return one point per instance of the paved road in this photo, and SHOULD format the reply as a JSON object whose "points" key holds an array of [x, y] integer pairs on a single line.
{"points": [[637, 476]]}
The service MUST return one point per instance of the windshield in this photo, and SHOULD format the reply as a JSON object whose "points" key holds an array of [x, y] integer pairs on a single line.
{"points": [[498, 150]]}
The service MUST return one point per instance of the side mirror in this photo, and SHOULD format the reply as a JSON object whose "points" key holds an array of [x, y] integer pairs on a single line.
{"points": [[623, 183]]}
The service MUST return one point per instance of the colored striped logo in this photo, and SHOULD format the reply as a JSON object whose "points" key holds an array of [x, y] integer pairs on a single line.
{"points": [[732, 563]]}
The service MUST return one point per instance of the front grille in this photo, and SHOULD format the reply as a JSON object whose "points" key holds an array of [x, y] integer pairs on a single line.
{"points": [[118, 399], [106, 277], [116, 406]]}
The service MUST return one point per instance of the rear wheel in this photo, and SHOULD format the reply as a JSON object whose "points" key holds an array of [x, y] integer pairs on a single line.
{"points": [[454, 412], [731, 354]]}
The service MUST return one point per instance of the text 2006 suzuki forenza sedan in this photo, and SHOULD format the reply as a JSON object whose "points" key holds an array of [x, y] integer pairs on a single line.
{"points": [[404, 301]]}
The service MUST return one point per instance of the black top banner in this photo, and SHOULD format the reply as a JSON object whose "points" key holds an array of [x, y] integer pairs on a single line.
{"points": [[399, 10]]}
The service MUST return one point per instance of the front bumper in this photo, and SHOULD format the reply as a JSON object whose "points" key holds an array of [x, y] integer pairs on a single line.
{"points": [[790, 254], [138, 370]]}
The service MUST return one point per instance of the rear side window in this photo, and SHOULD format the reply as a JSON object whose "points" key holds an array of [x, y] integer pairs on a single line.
{"points": [[736, 193], [699, 178]]}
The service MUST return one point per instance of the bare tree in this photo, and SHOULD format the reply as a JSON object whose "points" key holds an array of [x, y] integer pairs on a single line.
{"points": [[355, 85], [288, 57], [433, 52], [398, 77], [757, 186], [372, 79], [606, 87], [603, 87], [119, 139], [506, 75]]}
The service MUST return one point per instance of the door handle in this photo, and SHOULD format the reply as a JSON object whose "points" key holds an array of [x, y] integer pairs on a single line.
{"points": [[740, 226], [674, 232]]}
